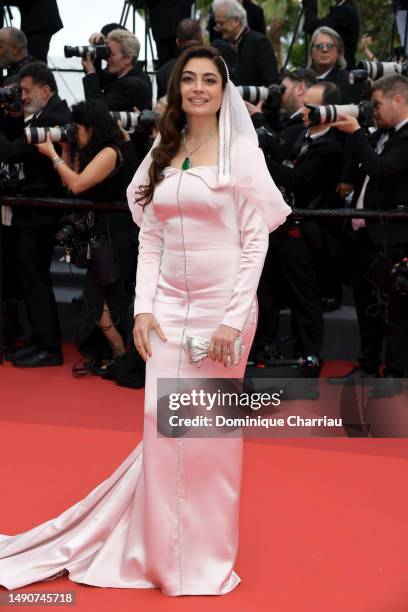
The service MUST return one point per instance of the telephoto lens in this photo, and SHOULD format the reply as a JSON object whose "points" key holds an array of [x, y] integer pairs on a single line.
{"points": [[37, 135], [271, 95], [363, 112], [144, 121], [376, 70], [253, 94], [127, 120], [96, 51]]}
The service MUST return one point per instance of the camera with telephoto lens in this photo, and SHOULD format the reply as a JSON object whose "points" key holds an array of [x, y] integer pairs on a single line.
{"points": [[99, 52], [271, 95], [10, 98], [58, 133], [363, 112], [144, 121], [376, 70]]}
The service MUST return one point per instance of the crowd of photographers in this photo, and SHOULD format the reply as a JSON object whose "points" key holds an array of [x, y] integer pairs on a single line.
{"points": [[334, 134]]}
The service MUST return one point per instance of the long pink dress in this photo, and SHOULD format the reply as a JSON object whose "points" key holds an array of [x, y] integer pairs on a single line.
{"points": [[168, 516]]}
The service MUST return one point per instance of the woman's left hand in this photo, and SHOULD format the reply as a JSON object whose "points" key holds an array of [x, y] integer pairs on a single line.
{"points": [[222, 344], [47, 147]]}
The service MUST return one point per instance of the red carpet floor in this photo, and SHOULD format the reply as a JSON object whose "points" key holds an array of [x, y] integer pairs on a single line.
{"points": [[324, 522]]}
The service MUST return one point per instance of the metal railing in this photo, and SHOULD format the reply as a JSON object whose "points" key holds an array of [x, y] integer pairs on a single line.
{"points": [[400, 214]]}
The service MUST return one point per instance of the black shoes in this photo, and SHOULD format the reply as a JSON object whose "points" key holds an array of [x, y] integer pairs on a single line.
{"points": [[22, 352], [38, 358]]}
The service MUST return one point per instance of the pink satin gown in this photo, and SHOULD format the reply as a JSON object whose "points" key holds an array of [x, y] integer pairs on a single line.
{"points": [[168, 516]]}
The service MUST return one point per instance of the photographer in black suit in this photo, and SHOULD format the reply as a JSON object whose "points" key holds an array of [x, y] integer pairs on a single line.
{"points": [[378, 244], [343, 17], [35, 228], [119, 87], [256, 61], [310, 181], [279, 129]]}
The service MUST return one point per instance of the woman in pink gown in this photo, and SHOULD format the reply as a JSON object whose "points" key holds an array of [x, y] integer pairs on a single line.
{"points": [[168, 516]]}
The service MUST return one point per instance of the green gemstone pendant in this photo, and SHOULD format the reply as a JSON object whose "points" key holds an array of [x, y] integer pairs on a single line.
{"points": [[186, 164]]}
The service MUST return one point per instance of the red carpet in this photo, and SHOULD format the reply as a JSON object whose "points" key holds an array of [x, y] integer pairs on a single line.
{"points": [[323, 521]]}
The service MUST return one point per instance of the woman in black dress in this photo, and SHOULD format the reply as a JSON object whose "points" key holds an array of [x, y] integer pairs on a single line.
{"points": [[100, 171]]}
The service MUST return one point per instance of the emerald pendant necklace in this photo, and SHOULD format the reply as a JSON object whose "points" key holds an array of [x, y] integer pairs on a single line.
{"points": [[187, 163]]}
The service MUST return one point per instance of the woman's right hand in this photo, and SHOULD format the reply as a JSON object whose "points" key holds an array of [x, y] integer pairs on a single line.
{"points": [[144, 322]]}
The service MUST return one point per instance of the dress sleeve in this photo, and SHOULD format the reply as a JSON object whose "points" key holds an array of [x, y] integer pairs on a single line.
{"points": [[148, 264], [254, 241]]}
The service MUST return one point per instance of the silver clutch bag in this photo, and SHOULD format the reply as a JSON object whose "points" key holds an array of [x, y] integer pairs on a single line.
{"points": [[196, 349]]}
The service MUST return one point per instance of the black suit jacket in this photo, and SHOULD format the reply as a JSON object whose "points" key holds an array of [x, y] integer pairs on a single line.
{"points": [[38, 16], [118, 94], [340, 77], [343, 18], [388, 184], [40, 177], [13, 69], [256, 61], [316, 172], [165, 15]]}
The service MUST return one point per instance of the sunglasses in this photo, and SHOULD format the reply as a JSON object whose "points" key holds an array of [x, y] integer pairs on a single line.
{"points": [[321, 46]]}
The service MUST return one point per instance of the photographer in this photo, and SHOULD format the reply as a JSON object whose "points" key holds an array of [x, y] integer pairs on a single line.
{"points": [[13, 52], [256, 61], [277, 141], [343, 18], [279, 131], [378, 244], [119, 86], [304, 248], [11, 125], [35, 227], [100, 172]]}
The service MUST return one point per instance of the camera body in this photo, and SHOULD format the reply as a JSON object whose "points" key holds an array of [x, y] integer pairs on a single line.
{"points": [[10, 98], [75, 226], [58, 133], [97, 52]]}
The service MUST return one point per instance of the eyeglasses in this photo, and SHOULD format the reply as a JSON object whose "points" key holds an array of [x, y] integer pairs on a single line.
{"points": [[220, 24], [321, 46]]}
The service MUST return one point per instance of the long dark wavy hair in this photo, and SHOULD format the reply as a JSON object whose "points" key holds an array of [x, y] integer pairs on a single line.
{"points": [[174, 119], [92, 114]]}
